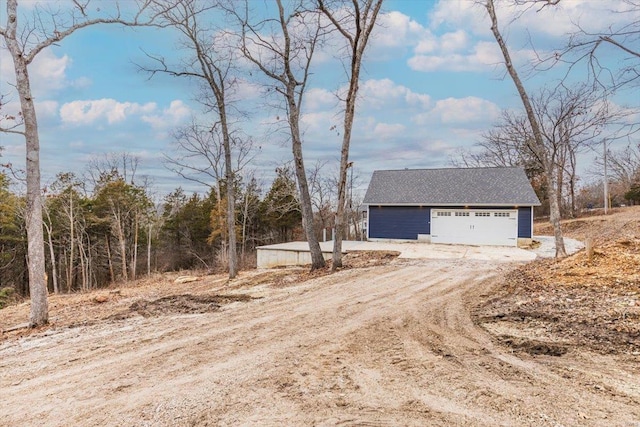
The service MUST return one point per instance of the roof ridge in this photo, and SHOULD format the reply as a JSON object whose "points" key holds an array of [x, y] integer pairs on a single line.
{"points": [[449, 168]]}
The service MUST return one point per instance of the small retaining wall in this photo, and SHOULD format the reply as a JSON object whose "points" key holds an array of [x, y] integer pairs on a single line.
{"points": [[269, 257]]}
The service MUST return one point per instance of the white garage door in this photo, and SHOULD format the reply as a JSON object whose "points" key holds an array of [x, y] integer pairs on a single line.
{"points": [[474, 227]]}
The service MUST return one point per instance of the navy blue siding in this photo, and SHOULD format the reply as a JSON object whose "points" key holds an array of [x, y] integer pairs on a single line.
{"points": [[406, 222], [398, 222], [524, 222]]}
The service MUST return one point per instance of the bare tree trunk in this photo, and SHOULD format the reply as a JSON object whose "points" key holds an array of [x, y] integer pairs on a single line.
{"points": [[572, 183], [356, 225], [66, 271], [291, 53], [317, 260], [538, 149], [123, 253], [134, 256], [24, 45], [214, 66], [83, 271], [110, 261], [122, 242], [39, 312], [61, 256], [149, 251], [559, 187], [245, 214], [364, 16], [554, 215], [232, 255], [90, 275], [54, 272], [70, 272], [82, 258]]}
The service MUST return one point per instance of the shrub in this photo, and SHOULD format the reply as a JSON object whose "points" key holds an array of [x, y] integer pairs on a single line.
{"points": [[7, 296]]}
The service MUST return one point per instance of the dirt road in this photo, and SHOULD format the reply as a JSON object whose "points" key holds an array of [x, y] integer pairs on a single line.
{"points": [[389, 345]]}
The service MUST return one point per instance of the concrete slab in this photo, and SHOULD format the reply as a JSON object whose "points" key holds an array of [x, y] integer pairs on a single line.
{"points": [[547, 248], [297, 253]]}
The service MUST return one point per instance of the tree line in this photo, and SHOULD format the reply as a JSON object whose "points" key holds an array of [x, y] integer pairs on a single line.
{"points": [[107, 226]]}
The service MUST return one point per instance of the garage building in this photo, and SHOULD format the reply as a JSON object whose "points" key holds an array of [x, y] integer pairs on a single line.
{"points": [[470, 206]]}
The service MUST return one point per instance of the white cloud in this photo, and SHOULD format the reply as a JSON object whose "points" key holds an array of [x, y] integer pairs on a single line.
{"points": [[176, 114], [245, 90], [454, 41], [483, 55], [385, 93], [453, 51], [88, 112], [318, 98], [47, 74], [388, 130], [318, 122], [50, 69], [460, 14], [427, 45], [468, 111], [396, 31], [13, 151], [47, 109]]}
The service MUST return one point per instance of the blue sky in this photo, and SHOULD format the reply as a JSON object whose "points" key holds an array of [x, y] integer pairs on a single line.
{"points": [[432, 83]]}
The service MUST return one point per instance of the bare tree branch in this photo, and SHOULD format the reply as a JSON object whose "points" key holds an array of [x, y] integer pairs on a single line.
{"points": [[282, 48], [356, 27]]}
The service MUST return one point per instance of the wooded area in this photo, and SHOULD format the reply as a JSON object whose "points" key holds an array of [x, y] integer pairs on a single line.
{"points": [[107, 226]]}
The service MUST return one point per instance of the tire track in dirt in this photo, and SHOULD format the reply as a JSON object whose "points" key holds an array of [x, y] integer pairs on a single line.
{"points": [[390, 345]]}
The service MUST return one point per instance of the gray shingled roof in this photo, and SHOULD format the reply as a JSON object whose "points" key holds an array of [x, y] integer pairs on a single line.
{"points": [[459, 186]]}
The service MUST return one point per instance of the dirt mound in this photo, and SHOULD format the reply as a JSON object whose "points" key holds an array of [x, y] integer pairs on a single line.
{"points": [[184, 304], [533, 347], [358, 259], [580, 300], [622, 223]]}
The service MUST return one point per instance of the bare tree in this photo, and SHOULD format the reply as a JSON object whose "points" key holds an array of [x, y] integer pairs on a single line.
{"points": [[355, 23], [24, 43], [111, 165], [200, 157], [282, 48], [48, 225], [570, 120], [623, 165], [536, 143], [322, 190], [620, 39], [249, 209], [212, 63]]}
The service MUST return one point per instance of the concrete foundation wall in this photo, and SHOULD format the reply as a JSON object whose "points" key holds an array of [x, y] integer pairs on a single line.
{"points": [[524, 242], [269, 258], [391, 240]]}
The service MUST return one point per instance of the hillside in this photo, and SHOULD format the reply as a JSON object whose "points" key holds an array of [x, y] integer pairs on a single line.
{"points": [[576, 301]]}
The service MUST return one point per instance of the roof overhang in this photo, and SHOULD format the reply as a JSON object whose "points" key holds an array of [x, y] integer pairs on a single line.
{"points": [[468, 204]]}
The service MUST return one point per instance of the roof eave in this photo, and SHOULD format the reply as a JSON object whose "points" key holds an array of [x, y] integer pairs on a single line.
{"points": [[452, 204]]}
